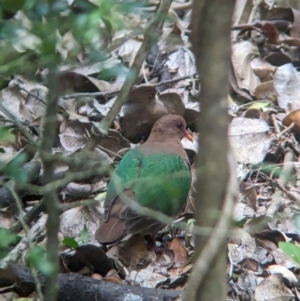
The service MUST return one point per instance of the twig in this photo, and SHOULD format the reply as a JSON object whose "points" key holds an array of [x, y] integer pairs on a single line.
{"points": [[31, 94], [274, 121], [174, 5], [286, 130], [28, 217], [108, 93], [29, 238], [51, 201], [19, 123], [152, 32], [68, 177], [277, 199]]}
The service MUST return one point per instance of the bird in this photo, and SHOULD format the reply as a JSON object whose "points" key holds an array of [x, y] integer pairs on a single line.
{"points": [[156, 175], [143, 108]]}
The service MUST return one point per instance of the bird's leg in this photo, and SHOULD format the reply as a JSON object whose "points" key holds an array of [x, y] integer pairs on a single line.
{"points": [[151, 244]]}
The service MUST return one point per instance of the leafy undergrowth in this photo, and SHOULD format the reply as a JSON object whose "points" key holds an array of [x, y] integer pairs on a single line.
{"points": [[264, 102]]}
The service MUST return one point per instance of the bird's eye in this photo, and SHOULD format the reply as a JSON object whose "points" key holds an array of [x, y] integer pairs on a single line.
{"points": [[179, 124]]}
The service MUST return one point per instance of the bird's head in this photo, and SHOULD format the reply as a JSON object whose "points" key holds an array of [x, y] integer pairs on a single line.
{"points": [[172, 126]]}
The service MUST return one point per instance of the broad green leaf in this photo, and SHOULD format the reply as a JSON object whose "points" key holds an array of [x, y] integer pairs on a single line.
{"points": [[70, 242], [291, 250]]}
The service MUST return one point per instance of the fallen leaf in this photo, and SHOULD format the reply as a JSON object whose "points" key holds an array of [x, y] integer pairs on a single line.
{"points": [[249, 139]]}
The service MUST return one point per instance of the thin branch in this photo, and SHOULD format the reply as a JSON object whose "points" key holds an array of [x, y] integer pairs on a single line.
{"points": [[109, 93], [51, 201], [28, 235], [277, 198], [152, 33], [19, 123]]}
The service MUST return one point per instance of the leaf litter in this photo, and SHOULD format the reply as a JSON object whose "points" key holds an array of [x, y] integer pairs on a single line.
{"points": [[263, 261]]}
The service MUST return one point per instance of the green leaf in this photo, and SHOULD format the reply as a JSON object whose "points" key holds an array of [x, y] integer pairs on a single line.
{"points": [[259, 104], [6, 135], [6, 239], [36, 257], [70, 242], [291, 250], [84, 236]]}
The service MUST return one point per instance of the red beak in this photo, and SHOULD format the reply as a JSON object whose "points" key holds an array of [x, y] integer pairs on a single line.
{"points": [[188, 136]]}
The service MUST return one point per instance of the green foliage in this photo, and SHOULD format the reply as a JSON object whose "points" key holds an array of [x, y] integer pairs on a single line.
{"points": [[84, 236], [291, 250], [12, 169], [6, 135], [36, 258], [72, 243], [6, 239], [31, 30]]}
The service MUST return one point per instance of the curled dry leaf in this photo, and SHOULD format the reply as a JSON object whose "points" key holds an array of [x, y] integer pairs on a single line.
{"points": [[180, 253], [287, 274], [249, 139], [133, 252], [262, 69], [265, 90], [242, 55], [272, 288], [293, 116], [287, 87], [72, 135]]}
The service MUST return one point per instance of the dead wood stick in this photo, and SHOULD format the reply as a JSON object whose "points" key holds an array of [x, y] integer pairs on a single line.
{"points": [[82, 288]]}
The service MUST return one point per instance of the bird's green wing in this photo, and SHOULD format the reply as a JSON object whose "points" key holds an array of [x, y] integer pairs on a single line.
{"points": [[160, 181], [164, 183]]}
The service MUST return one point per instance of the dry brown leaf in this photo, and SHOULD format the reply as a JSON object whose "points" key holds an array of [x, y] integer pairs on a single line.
{"points": [[72, 135], [272, 288], [242, 55], [180, 253], [133, 252], [249, 139], [293, 116], [265, 90], [262, 69]]}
